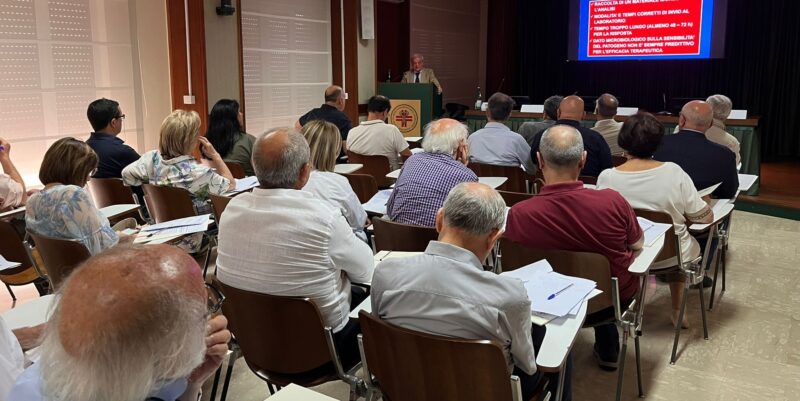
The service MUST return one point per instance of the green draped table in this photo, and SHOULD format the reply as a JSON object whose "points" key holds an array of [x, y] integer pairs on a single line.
{"points": [[746, 131]]}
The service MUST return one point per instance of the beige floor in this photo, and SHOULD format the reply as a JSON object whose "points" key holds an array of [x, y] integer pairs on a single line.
{"points": [[753, 351]]}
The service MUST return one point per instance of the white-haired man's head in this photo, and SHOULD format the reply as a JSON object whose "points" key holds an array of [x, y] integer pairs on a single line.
{"points": [[417, 62], [561, 151], [281, 159], [472, 217], [127, 321], [445, 136], [721, 106]]}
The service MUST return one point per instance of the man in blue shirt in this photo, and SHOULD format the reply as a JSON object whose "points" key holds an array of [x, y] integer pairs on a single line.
{"points": [[496, 144], [106, 118], [130, 325]]}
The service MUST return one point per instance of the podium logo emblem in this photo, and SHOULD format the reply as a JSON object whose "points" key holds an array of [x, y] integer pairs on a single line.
{"points": [[405, 118]]}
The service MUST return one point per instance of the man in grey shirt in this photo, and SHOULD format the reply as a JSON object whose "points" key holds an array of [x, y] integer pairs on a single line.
{"points": [[496, 144], [446, 291], [606, 109], [529, 129]]}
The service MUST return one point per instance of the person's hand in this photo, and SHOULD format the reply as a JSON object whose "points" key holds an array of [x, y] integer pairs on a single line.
{"points": [[207, 149], [5, 149], [30, 337], [216, 348]]}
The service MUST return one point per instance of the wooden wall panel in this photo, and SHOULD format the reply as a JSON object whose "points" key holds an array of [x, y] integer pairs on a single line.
{"points": [[179, 83]]}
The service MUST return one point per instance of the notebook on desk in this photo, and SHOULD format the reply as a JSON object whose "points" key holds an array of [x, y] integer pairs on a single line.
{"points": [[709, 190]]}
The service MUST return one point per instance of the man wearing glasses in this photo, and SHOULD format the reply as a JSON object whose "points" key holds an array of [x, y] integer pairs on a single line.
{"points": [[106, 118]]}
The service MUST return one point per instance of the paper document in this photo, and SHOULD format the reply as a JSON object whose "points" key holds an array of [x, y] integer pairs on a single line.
{"points": [[652, 230], [243, 184], [5, 264], [184, 222], [717, 205], [417, 150], [547, 290], [709, 190], [378, 202], [746, 181]]}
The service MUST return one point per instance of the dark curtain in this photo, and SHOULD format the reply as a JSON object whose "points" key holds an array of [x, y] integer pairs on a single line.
{"points": [[760, 71]]}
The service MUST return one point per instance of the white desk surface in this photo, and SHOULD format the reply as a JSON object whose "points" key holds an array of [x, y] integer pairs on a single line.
{"points": [[393, 174], [646, 257], [724, 212], [493, 182], [13, 212], [31, 313], [746, 181], [294, 392], [347, 168], [413, 138], [558, 339], [116, 210]]}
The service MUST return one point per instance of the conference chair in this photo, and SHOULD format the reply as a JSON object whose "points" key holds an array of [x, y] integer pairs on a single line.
{"points": [[363, 185], [14, 249], [391, 236], [406, 365], [595, 267], [376, 166], [284, 340], [60, 256], [723, 233], [218, 204], [538, 182], [693, 270], [517, 178], [618, 160], [512, 198], [587, 179], [112, 191], [236, 169]]}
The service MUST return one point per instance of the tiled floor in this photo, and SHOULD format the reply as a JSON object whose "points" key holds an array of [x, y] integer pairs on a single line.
{"points": [[753, 351]]}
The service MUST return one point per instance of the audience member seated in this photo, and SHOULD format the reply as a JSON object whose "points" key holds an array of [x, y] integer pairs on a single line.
{"points": [[570, 112], [427, 177], [566, 216], [606, 109], [495, 143], [446, 291], [652, 185], [283, 241], [130, 324], [12, 359], [376, 138], [106, 118], [12, 187], [324, 141], [226, 135], [706, 162], [174, 165], [529, 129], [331, 111], [63, 209], [721, 106]]}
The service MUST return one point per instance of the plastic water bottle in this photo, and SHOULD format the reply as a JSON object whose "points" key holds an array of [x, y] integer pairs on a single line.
{"points": [[479, 100]]}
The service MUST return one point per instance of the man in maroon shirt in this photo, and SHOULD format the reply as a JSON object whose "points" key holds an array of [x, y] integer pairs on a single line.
{"points": [[566, 216]]}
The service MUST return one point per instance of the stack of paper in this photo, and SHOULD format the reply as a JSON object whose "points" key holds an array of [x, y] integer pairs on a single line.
{"points": [[4, 264], [378, 202], [161, 232], [243, 184], [652, 230], [552, 294], [709, 190]]}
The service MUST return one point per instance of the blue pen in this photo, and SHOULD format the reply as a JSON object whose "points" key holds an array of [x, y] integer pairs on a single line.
{"points": [[564, 289]]}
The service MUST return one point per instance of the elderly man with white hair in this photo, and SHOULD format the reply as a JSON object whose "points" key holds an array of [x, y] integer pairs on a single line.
{"points": [[418, 74], [131, 325], [427, 177], [447, 292], [721, 106]]}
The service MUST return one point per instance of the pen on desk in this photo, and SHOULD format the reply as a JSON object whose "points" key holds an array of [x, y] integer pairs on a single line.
{"points": [[562, 290], [385, 256]]}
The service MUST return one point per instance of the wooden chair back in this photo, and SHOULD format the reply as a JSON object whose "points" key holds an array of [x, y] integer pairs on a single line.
{"points": [[14, 250], [236, 169], [376, 166], [61, 256], [391, 236], [168, 203], [672, 245], [414, 366], [512, 198], [587, 265], [587, 179], [516, 176], [279, 336], [110, 191], [618, 160], [363, 185], [218, 204]]}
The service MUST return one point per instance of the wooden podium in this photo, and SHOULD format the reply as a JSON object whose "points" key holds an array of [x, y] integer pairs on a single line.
{"points": [[413, 105]]}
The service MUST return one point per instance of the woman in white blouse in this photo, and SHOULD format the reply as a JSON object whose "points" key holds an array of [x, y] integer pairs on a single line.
{"points": [[652, 185], [325, 143]]}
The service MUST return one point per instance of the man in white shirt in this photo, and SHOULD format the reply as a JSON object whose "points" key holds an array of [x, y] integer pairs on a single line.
{"points": [[605, 109], [722, 105], [12, 359], [376, 138], [495, 143], [283, 241], [12, 188]]}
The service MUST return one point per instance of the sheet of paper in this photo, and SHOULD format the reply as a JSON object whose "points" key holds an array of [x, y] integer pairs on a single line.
{"points": [[530, 272], [417, 150], [746, 181], [114, 210], [5, 264], [561, 304], [378, 202], [709, 190], [652, 230], [243, 184], [574, 311], [186, 221]]}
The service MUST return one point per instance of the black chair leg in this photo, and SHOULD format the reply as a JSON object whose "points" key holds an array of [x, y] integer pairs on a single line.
{"points": [[228, 375], [703, 311], [714, 285], [638, 367], [678, 326], [622, 352], [216, 384], [271, 389], [724, 267], [13, 297]]}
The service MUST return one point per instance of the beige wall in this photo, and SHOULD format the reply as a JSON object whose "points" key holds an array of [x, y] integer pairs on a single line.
{"points": [[222, 54], [366, 70], [151, 46]]}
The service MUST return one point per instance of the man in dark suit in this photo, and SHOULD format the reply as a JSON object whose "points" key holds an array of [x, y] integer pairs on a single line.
{"points": [[706, 162], [570, 112]]}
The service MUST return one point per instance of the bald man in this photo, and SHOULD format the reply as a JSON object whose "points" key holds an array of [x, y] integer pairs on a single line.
{"points": [[331, 111], [606, 109], [566, 216], [706, 162], [280, 240], [130, 325], [570, 113]]}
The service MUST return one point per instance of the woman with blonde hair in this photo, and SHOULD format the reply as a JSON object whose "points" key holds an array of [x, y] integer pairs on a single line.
{"points": [[174, 165], [63, 209], [325, 143]]}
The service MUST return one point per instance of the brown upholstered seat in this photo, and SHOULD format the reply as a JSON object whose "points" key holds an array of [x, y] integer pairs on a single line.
{"points": [[391, 236]]}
